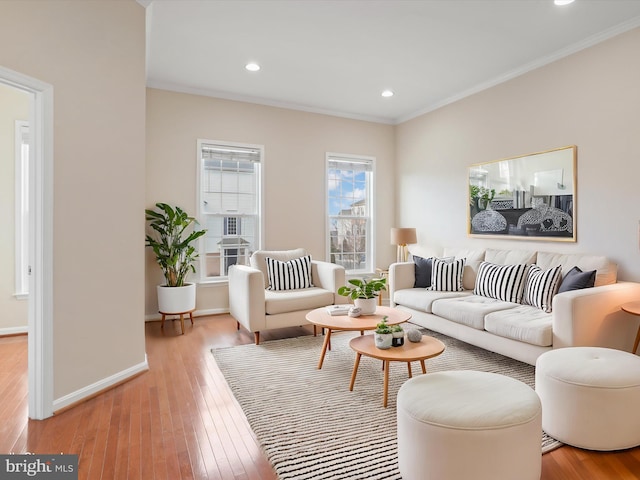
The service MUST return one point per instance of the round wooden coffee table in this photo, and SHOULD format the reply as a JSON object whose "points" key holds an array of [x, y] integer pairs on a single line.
{"points": [[321, 318], [429, 347]]}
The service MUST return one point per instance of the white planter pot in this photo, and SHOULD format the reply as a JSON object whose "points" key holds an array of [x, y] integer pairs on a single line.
{"points": [[383, 340], [176, 299], [368, 305]]}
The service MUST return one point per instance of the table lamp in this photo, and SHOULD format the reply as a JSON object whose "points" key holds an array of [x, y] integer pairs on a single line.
{"points": [[402, 237]]}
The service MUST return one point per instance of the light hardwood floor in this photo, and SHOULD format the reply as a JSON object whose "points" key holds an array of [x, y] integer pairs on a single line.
{"points": [[180, 421]]}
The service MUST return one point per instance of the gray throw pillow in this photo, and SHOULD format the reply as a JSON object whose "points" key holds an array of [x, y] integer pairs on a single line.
{"points": [[576, 279], [423, 271]]}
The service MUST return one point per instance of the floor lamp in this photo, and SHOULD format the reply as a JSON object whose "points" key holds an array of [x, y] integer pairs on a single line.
{"points": [[402, 237]]}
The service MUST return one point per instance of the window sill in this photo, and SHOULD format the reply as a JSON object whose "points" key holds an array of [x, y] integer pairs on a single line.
{"points": [[21, 296]]}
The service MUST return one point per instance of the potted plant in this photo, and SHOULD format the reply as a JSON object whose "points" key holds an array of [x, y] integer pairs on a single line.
{"points": [[173, 246], [364, 292], [398, 335], [383, 335]]}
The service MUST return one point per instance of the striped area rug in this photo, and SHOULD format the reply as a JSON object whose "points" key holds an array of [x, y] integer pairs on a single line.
{"points": [[309, 423]]}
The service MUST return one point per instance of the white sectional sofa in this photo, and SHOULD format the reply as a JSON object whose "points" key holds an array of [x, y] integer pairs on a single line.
{"points": [[584, 317]]}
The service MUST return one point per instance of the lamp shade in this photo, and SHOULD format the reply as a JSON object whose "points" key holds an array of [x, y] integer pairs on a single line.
{"points": [[403, 236]]}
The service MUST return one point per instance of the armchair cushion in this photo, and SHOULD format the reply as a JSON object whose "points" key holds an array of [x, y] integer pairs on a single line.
{"points": [[284, 301], [290, 275]]}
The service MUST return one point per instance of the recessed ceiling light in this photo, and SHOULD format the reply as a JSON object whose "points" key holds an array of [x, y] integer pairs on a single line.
{"points": [[387, 93], [563, 2], [252, 67]]}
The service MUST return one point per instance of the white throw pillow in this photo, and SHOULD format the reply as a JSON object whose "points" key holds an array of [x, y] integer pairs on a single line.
{"points": [[541, 286], [502, 282], [290, 275], [447, 276]]}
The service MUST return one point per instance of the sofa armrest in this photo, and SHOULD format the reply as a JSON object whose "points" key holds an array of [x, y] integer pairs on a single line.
{"points": [[329, 276], [592, 317], [401, 275], [246, 297]]}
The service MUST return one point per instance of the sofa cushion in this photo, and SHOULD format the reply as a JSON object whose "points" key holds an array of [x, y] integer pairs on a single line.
{"points": [[421, 299], [510, 257], [423, 269], [523, 323], [576, 279], [259, 259], [284, 301], [540, 287], [447, 276], [502, 282], [473, 258], [470, 310], [606, 271]]}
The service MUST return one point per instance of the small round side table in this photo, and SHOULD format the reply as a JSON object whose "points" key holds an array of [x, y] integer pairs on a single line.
{"points": [[634, 309]]}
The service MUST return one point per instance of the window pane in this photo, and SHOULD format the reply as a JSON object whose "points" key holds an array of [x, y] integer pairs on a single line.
{"points": [[229, 207], [349, 189]]}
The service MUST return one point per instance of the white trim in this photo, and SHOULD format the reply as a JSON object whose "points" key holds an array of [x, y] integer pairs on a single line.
{"points": [[205, 92], [541, 62], [40, 329], [154, 317], [12, 331], [21, 254], [100, 386], [21, 296]]}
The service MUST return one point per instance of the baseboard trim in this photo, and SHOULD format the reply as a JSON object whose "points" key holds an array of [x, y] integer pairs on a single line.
{"points": [[11, 331], [71, 400], [154, 317]]}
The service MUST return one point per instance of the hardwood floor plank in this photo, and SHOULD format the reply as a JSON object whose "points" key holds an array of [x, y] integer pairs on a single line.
{"points": [[180, 420]]}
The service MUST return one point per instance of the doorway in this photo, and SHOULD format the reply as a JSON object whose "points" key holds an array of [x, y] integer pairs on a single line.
{"points": [[40, 244]]}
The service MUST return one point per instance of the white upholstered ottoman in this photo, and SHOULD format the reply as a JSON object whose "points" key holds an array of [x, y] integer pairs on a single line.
{"points": [[468, 424], [590, 397]]}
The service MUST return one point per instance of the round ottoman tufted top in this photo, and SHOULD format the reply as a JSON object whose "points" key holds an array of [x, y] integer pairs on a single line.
{"points": [[592, 366], [468, 400]]}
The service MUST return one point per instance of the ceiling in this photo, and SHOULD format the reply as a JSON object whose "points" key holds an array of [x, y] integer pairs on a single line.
{"points": [[337, 56]]}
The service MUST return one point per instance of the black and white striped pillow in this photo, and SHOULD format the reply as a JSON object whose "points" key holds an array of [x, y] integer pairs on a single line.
{"points": [[289, 275], [541, 286], [502, 282], [447, 276]]}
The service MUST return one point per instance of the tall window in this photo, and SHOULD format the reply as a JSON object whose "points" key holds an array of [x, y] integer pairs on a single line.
{"points": [[350, 212], [22, 209], [230, 199]]}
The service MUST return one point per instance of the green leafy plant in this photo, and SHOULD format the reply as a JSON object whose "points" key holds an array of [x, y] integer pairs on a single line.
{"points": [[363, 288], [383, 327], [173, 244], [396, 328]]}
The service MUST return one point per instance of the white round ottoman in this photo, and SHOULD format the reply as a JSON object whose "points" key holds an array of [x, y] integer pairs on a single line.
{"points": [[468, 424], [590, 397]]}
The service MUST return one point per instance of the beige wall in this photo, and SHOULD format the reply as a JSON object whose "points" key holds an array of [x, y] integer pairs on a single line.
{"points": [[14, 105], [93, 53], [295, 147], [590, 99]]}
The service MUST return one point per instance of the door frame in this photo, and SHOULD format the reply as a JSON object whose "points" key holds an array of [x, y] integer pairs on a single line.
{"points": [[40, 321]]}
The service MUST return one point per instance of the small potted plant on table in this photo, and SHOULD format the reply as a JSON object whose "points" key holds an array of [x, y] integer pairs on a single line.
{"points": [[383, 335], [364, 293], [398, 335]]}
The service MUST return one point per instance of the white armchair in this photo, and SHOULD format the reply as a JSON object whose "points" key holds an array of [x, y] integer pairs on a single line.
{"points": [[258, 309]]}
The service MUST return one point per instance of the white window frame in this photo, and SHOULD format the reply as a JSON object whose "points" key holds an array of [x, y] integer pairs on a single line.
{"points": [[370, 191], [202, 216], [21, 205]]}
